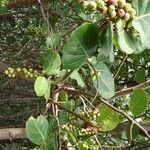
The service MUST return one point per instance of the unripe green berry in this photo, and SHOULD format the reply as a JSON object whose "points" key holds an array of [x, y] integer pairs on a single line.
{"points": [[13, 75], [31, 75], [31, 70], [121, 3], [9, 75], [11, 71], [112, 2], [92, 5], [6, 72], [100, 3], [121, 13], [24, 70], [127, 7], [18, 69], [126, 17], [132, 13], [111, 8], [103, 10], [85, 4], [35, 71], [26, 76], [112, 14]]}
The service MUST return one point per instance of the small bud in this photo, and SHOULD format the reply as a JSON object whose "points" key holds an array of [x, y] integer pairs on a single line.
{"points": [[127, 7], [121, 13], [121, 3]]}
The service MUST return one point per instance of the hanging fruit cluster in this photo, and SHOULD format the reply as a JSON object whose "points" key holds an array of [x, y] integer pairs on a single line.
{"points": [[89, 144], [27, 73], [75, 124], [113, 9]]}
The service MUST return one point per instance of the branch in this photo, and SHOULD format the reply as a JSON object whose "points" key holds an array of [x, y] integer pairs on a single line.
{"points": [[12, 133], [122, 62], [145, 85]]}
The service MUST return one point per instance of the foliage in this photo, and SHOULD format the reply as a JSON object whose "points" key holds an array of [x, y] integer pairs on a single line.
{"points": [[93, 71]]}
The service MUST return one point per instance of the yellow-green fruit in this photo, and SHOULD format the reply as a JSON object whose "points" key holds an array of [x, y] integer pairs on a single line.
{"points": [[18, 69], [92, 5], [121, 3], [28, 73], [6, 72], [31, 70], [11, 71], [127, 7], [132, 13], [85, 4], [13, 75], [26, 76], [103, 10], [31, 75], [112, 14], [9, 75], [126, 17], [24, 70], [111, 8], [100, 3], [85, 146], [35, 71]]}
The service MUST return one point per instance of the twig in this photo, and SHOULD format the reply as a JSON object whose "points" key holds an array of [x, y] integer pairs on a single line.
{"points": [[73, 113], [145, 85], [122, 62]]}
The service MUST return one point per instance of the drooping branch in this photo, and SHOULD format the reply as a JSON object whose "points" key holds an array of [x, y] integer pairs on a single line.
{"points": [[145, 85]]}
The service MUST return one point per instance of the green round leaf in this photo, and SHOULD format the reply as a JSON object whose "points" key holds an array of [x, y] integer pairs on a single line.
{"points": [[40, 86], [140, 75], [105, 84], [37, 130], [142, 22], [138, 102], [108, 118], [81, 46], [51, 61]]}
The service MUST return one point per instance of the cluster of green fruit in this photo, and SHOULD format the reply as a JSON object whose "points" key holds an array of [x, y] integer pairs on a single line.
{"points": [[73, 125], [34, 30], [111, 8], [87, 145], [27, 73]]}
